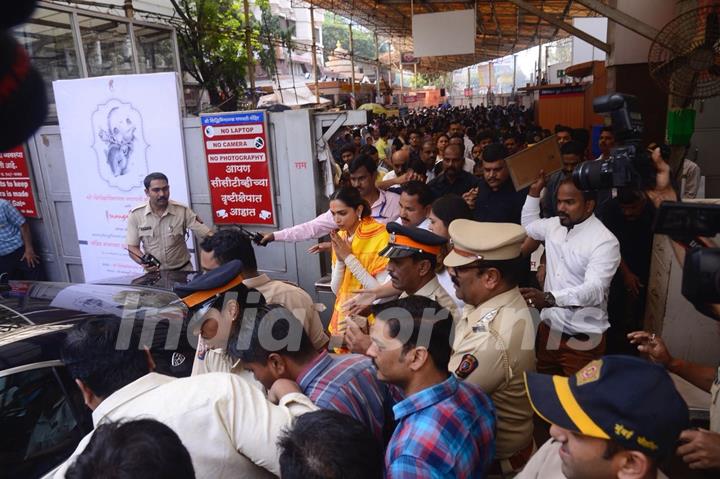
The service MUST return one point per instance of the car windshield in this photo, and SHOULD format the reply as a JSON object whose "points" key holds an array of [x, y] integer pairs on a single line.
{"points": [[45, 303]]}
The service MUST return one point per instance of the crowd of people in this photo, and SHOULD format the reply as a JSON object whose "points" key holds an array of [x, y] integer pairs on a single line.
{"points": [[446, 354]]}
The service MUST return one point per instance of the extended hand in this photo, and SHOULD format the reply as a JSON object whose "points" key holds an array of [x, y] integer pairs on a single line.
{"points": [[320, 247], [663, 190], [701, 450], [30, 258], [470, 197], [652, 345], [267, 238]]}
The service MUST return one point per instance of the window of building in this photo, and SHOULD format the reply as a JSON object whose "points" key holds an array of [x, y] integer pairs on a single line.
{"points": [[48, 39], [156, 51], [107, 46]]}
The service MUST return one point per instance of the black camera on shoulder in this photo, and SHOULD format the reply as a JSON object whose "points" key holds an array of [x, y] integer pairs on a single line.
{"points": [[686, 224], [630, 164]]}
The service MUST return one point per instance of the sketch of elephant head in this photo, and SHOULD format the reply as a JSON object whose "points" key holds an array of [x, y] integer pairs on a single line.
{"points": [[121, 149]]}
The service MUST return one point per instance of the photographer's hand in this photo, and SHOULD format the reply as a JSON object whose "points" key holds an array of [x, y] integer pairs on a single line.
{"points": [[663, 190], [701, 449], [652, 345]]}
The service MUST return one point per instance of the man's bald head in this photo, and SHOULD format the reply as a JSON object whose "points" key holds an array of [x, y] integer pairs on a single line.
{"points": [[400, 160]]}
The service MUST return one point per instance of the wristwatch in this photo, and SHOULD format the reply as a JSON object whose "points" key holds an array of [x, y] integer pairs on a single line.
{"points": [[549, 299]]}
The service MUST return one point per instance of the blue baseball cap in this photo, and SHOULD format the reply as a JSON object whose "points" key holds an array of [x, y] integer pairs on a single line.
{"points": [[620, 398]]}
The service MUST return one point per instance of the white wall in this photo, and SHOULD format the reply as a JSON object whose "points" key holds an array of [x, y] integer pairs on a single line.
{"points": [[629, 47], [582, 50]]}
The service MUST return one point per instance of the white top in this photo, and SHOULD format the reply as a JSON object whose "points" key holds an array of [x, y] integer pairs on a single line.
{"points": [[228, 426], [446, 282], [580, 264], [390, 175]]}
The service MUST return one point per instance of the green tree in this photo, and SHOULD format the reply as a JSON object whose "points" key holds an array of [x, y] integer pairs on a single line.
{"points": [[211, 37], [336, 28]]}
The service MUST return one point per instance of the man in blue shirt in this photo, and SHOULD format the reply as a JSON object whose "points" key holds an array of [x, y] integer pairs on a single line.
{"points": [[275, 346], [446, 428], [17, 255]]}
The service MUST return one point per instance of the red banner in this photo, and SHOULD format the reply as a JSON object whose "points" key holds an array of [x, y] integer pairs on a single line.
{"points": [[236, 151], [15, 184]]}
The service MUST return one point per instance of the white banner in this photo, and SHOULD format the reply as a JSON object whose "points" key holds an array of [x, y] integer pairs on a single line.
{"points": [[431, 38], [115, 130]]}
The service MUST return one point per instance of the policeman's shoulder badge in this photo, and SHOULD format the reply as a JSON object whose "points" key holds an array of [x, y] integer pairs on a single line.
{"points": [[468, 364], [482, 325]]}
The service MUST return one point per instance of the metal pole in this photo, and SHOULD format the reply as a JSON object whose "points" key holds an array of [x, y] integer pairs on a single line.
{"points": [[415, 74], [547, 71], [400, 101], [539, 62], [514, 72], [377, 67], [248, 49], [352, 65], [314, 54]]}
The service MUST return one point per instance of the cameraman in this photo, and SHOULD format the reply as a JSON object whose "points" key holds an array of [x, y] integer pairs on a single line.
{"points": [[700, 448]]}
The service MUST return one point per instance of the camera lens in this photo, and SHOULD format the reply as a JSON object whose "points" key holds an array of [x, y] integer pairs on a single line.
{"points": [[593, 175]]}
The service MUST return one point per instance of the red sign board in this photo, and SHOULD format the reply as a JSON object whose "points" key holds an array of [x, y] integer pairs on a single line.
{"points": [[236, 150], [15, 183], [410, 98], [468, 92]]}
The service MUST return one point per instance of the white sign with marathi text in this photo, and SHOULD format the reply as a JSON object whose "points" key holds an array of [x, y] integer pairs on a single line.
{"points": [[115, 130]]}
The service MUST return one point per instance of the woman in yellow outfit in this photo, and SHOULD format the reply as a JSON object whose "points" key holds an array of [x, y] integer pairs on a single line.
{"points": [[356, 263]]}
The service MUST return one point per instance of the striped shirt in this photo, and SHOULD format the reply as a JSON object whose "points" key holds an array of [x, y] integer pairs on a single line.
{"points": [[445, 431], [10, 222], [348, 384]]}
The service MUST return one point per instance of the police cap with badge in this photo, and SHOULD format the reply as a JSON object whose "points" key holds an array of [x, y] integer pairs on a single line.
{"points": [[475, 241], [200, 293], [408, 241], [624, 399]]}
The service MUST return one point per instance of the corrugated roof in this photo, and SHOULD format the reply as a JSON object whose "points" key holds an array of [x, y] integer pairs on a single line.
{"points": [[502, 26]]}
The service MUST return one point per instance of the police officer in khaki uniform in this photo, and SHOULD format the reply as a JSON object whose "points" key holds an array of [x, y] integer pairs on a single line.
{"points": [[494, 340], [160, 226]]}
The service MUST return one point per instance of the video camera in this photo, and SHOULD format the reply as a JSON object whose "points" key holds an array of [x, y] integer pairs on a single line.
{"points": [[684, 223], [630, 164]]}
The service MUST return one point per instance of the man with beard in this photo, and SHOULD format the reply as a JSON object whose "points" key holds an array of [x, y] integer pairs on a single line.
{"points": [[160, 226], [454, 179], [582, 257], [495, 198]]}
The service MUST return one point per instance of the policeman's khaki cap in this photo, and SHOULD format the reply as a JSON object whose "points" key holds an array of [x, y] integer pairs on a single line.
{"points": [[473, 241]]}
